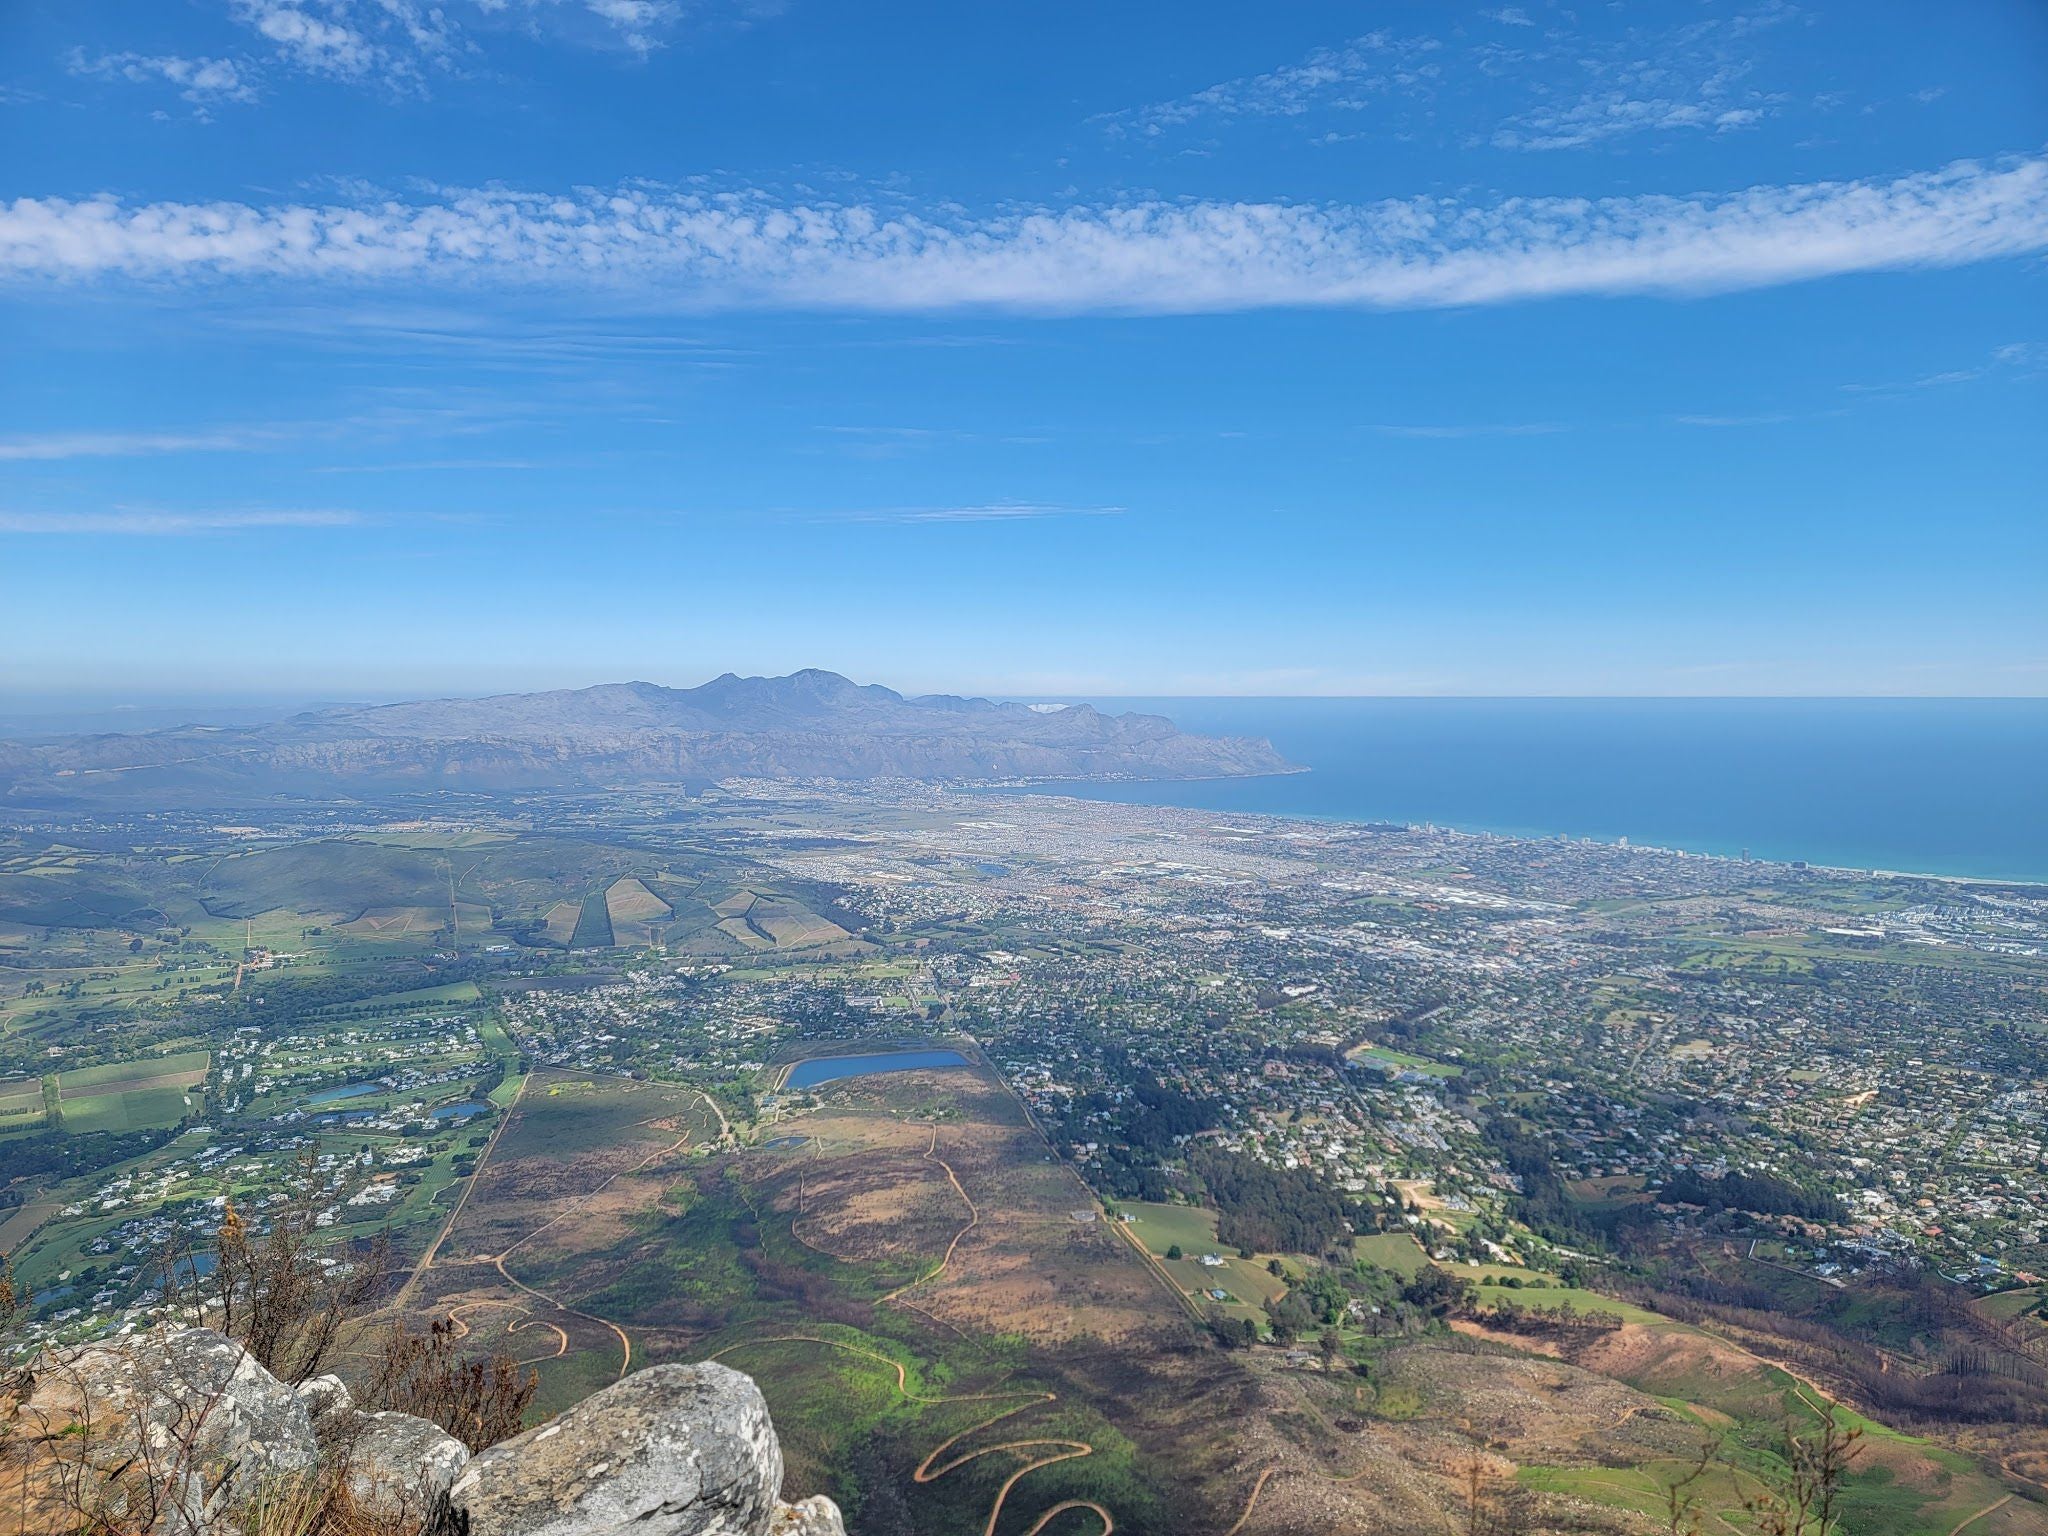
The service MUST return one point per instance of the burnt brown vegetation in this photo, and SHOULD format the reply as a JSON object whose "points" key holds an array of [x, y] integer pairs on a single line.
{"points": [[1950, 1366], [478, 1400]]}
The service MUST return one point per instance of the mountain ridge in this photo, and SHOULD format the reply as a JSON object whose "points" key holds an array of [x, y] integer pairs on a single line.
{"points": [[808, 724]]}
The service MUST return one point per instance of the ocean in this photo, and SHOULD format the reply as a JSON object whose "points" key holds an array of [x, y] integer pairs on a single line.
{"points": [[1931, 786]]}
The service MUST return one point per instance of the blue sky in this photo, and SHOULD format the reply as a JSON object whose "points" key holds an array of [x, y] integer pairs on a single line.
{"points": [[374, 347]]}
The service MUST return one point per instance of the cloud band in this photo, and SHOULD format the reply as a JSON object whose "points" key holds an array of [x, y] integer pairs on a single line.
{"points": [[748, 250]]}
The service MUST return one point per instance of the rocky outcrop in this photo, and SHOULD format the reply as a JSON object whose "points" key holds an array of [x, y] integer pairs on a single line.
{"points": [[174, 1430], [394, 1463], [678, 1450], [815, 1516], [178, 1434]]}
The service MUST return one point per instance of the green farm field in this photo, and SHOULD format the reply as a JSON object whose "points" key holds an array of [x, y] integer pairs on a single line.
{"points": [[135, 1110]]}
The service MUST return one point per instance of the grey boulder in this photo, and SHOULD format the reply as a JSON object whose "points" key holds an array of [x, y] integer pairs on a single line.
{"points": [[676, 1450], [815, 1516], [328, 1404], [399, 1464], [193, 1404]]}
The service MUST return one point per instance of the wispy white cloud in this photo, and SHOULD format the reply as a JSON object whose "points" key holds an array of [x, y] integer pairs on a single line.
{"points": [[50, 446], [142, 522], [314, 36], [415, 465], [1691, 78], [200, 81], [1537, 84], [689, 250], [639, 22], [398, 43], [388, 415], [1345, 77], [1617, 113], [506, 340], [2020, 359]]}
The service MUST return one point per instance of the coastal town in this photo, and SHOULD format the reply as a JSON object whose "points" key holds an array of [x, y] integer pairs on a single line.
{"points": [[1498, 1047], [1335, 1090]]}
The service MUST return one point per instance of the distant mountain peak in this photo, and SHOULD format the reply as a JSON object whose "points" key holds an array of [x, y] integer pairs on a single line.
{"points": [[809, 724]]}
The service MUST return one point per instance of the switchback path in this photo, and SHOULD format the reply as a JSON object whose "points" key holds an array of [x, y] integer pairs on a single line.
{"points": [[1065, 1450], [625, 1341], [497, 1261], [462, 1330], [1069, 1450]]}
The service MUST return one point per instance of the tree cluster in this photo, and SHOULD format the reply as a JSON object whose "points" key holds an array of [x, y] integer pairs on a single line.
{"points": [[1270, 1210], [1762, 1194]]}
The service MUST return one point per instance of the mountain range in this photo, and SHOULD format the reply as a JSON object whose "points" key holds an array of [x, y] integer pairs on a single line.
{"points": [[811, 724]]}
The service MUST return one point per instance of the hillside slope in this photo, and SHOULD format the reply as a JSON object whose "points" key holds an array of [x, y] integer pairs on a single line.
{"points": [[808, 725]]}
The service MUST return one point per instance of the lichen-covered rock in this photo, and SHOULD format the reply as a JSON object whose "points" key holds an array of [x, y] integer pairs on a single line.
{"points": [[178, 1434], [193, 1407], [399, 1464], [815, 1516], [328, 1404], [676, 1450]]}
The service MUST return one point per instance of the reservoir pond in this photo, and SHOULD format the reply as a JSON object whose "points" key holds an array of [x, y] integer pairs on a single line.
{"points": [[825, 1069]]}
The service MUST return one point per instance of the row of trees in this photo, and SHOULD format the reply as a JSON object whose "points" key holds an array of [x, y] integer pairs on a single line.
{"points": [[1765, 1194]]}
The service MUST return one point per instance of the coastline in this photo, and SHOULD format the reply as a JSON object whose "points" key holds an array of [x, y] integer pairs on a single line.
{"points": [[1073, 789], [1935, 789]]}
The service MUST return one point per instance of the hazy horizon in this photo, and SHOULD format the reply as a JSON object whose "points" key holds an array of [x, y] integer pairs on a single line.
{"points": [[17, 708]]}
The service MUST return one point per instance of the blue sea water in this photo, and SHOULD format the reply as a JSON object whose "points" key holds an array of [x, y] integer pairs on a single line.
{"points": [[1932, 786], [825, 1069]]}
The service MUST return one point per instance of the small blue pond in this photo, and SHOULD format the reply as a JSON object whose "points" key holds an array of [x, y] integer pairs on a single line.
{"points": [[461, 1111], [824, 1069], [345, 1091], [186, 1268]]}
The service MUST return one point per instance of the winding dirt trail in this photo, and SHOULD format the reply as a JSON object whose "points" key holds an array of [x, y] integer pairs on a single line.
{"points": [[625, 1341], [931, 1155], [897, 1296], [1061, 1508], [1258, 1488], [427, 1259], [1988, 1509], [462, 1329], [584, 1199], [497, 1260], [1070, 1450], [902, 1376]]}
